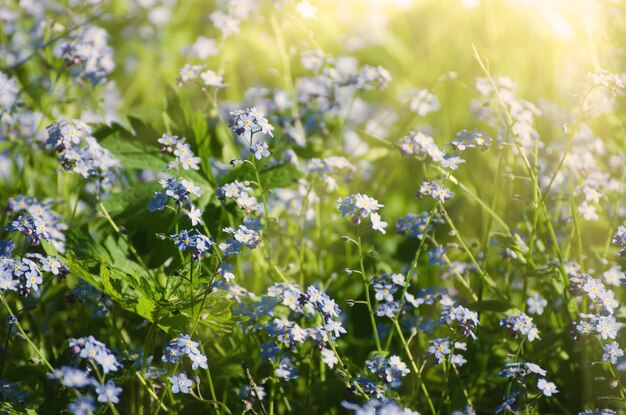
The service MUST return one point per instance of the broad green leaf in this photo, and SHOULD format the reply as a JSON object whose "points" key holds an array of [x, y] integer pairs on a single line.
{"points": [[134, 154], [132, 200], [145, 307]]}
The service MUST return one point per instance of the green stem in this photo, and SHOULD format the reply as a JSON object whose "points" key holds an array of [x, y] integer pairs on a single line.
{"points": [[484, 275], [101, 380], [416, 371], [24, 335], [131, 248], [366, 286], [149, 389]]}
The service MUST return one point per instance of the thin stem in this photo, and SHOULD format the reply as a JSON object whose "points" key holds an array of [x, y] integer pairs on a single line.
{"points": [[24, 335], [416, 371], [149, 389], [101, 380], [210, 380], [131, 248], [484, 275], [366, 285]]}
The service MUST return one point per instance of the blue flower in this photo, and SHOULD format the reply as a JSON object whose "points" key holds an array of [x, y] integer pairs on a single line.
{"points": [[6, 247], [547, 388], [180, 383], [184, 346], [248, 122], [182, 240], [388, 309], [108, 392], [384, 291], [260, 150], [71, 377], [83, 405], [158, 202], [285, 370], [435, 256]]}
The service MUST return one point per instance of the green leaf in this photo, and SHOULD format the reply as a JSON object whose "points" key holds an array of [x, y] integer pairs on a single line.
{"points": [[131, 201], [174, 324], [76, 267], [279, 176], [134, 154], [48, 248], [107, 285], [273, 177], [145, 307]]}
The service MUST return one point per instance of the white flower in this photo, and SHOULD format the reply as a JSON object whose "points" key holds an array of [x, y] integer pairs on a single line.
{"points": [[547, 388], [306, 10], [328, 357], [613, 275], [377, 223], [212, 78], [195, 215], [535, 304], [611, 352], [588, 211]]}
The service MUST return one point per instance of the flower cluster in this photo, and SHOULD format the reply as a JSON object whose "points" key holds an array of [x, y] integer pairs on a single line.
{"points": [[38, 221], [421, 101], [603, 323], [335, 82], [193, 239], [94, 353], [178, 146], [370, 76], [442, 349], [520, 372], [378, 407], [606, 326], [620, 239], [420, 144], [11, 392], [245, 235], [241, 193], [246, 123], [608, 80], [178, 189], [389, 370], [208, 78], [521, 111], [88, 54], [26, 274], [361, 206], [602, 298], [81, 153], [385, 286], [521, 324], [416, 225], [423, 146], [470, 139], [228, 18], [89, 296], [181, 346], [312, 305], [464, 317], [434, 190]]}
